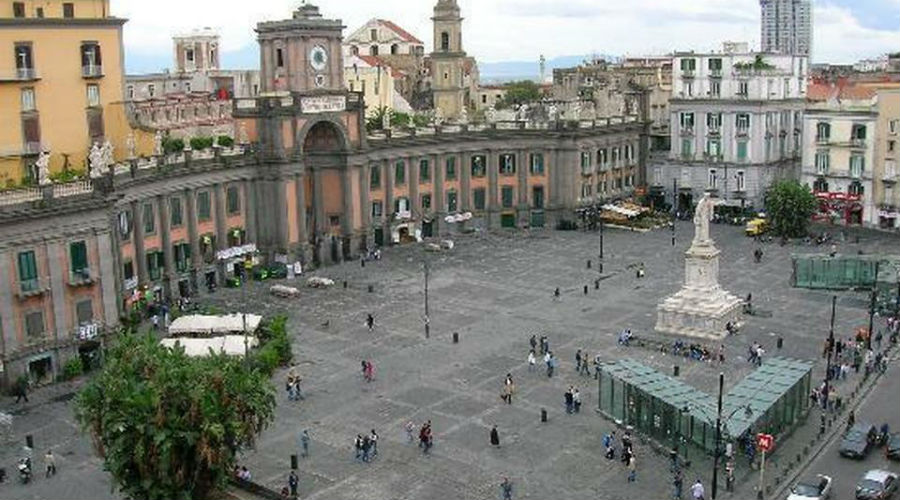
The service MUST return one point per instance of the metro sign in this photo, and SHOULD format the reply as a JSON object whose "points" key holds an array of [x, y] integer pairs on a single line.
{"points": [[765, 442]]}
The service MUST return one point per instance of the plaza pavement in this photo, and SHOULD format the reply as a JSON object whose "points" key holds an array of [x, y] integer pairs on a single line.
{"points": [[495, 291]]}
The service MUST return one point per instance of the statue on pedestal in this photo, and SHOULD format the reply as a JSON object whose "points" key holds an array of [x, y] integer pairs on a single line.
{"points": [[95, 161], [490, 114], [157, 144], [108, 158], [702, 215], [42, 164], [464, 115], [386, 119], [438, 117], [129, 145]]}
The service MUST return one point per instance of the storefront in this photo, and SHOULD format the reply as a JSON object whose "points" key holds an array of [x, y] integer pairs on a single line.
{"points": [[888, 218], [839, 208]]}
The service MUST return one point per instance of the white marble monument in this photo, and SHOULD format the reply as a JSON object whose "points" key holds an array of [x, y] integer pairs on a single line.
{"points": [[701, 308]]}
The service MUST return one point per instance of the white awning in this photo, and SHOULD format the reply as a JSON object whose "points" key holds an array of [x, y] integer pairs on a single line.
{"points": [[214, 324], [232, 345], [619, 210]]}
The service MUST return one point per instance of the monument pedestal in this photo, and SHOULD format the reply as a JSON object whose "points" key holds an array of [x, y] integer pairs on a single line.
{"points": [[701, 308]]}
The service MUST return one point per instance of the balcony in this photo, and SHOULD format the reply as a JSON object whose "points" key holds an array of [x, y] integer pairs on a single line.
{"points": [[857, 143], [823, 140], [687, 73], [742, 132], [32, 288], [81, 277], [92, 71], [687, 130], [714, 131], [19, 75], [715, 72]]}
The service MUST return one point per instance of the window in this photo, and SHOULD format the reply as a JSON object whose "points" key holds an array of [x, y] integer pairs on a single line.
{"points": [[688, 66], [400, 173], [151, 90], [24, 61], [585, 190], [450, 168], [39, 12], [176, 217], [743, 89], [687, 147], [93, 95], [712, 181], [28, 103], [18, 9], [149, 221], [445, 41], [203, 206], [714, 148], [424, 171], [742, 122], [129, 91], [856, 188], [689, 88], [373, 34], [585, 162], [395, 49], [507, 164], [28, 275], [401, 206], [687, 121], [125, 224], [373, 50], [182, 253], [537, 164], [629, 154], [506, 196], [742, 150], [823, 132], [377, 209], [426, 202], [603, 157], [84, 312], [714, 121], [891, 146], [189, 55], [279, 58], [78, 258], [894, 125], [34, 323], [857, 165], [715, 88], [478, 198], [375, 177], [155, 264], [616, 157], [187, 87], [537, 197], [858, 133], [820, 186], [740, 181], [787, 87], [478, 166], [68, 10], [233, 200], [823, 162], [715, 66], [91, 64], [128, 270]]}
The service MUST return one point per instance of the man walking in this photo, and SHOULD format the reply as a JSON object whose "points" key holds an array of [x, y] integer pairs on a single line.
{"points": [[533, 342], [578, 361], [506, 489], [531, 360], [293, 481], [370, 321], [50, 463], [632, 469], [495, 437], [697, 491], [304, 443]]}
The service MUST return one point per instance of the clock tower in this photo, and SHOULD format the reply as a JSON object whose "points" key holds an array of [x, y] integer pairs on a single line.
{"points": [[302, 53], [448, 59]]}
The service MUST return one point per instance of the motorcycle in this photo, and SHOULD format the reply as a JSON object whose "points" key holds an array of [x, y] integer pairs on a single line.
{"points": [[884, 435], [24, 467]]}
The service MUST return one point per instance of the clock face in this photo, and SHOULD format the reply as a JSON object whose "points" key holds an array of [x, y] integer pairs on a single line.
{"points": [[318, 58]]}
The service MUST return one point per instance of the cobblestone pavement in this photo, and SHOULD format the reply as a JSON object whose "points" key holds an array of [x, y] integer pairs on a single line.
{"points": [[495, 291]]}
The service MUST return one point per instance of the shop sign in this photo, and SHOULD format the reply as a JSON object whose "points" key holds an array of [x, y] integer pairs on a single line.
{"points": [[235, 252], [323, 104], [88, 332]]}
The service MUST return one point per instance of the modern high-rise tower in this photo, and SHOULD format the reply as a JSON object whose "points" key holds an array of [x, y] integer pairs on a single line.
{"points": [[787, 26]]}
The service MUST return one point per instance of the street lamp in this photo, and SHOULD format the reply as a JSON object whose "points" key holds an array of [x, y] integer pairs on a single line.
{"points": [[872, 307], [748, 412], [427, 317], [830, 350]]}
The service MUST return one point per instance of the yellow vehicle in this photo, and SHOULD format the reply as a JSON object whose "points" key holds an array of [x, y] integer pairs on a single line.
{"points": [[756, 227]]}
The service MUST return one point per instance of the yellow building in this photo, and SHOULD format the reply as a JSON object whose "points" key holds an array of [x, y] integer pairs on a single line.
{"points": [[375, 79], [61, 84]]}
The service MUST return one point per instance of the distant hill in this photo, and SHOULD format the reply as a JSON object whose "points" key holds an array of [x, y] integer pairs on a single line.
{"points": [[247, 57]]}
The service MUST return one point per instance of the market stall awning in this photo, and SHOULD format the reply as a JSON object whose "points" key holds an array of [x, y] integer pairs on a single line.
{"points": [[230, 323], [232, 345]]}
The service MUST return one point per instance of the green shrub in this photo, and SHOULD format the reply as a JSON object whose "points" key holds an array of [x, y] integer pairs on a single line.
{"points": [[172, 145], [201, 143], [66, 175], [226, 141], [275, 345], [73, 368]]}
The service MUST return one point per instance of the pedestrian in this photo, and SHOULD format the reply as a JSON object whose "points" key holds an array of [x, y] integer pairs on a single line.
{"points": [[597, 366], [578, 360], [304, 443], [556, 294], [721, 354], [533, 342], [632, 469], [584, 363], [878, 339], [22, 390], [531, 360], [293, 480], [369, 373], [410, 430], [729, 476], [155, 320], [370, 321], [50, 463], [373, 441], [508, 388], [545, 345], [576, 400], [366, 448], [678, 483], [569, 399], [697, 491], [495, 437], [358, 444], [506, 489]]}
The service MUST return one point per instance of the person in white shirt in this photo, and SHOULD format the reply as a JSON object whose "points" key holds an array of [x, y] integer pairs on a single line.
{"points": [[531, 360]]}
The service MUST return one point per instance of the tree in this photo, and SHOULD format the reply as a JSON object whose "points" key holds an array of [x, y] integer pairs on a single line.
{"points": [[524, 91], [168, 426], [790, 205]]}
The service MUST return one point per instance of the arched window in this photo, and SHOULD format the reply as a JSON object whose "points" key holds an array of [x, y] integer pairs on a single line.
{"points": [[323, 137], [820, 186], [395, 49], [373, 50], [445, 41], [354, 50]]}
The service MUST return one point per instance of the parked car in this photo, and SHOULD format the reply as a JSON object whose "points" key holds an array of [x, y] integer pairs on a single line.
{"points": [[812, 488], [892, 450], [858, 440], [876, 485]]}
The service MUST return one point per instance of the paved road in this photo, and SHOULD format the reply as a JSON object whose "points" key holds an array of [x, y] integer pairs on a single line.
{"points": [[878, 407]]}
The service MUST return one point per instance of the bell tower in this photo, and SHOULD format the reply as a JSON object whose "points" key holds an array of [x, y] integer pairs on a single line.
{"points": [[447, 59]]}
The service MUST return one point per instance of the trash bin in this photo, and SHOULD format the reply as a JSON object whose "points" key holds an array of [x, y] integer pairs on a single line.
{"points": [[543, 414]]}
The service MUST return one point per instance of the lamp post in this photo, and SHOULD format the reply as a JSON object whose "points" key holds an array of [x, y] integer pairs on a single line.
{"points": [[872, 307], [718, 452], [674, 206], [248, 264], [830, 351], [427, 317]]}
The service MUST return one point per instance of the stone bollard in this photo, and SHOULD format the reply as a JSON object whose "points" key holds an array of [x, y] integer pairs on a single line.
{"points": [[456, 337], [675, 370], [585, 289], [543, 415], [345, 284], [371, 288], [588, 264]]}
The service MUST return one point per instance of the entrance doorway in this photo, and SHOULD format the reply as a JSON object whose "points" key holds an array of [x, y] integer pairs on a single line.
{"points": [[379, 237], [210, 280], [685, 203], [184, 288], [508, 220], [334, 250], [427, 229], [40, 370], [89, 352]]}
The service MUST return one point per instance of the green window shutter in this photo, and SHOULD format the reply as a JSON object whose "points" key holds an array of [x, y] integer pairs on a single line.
{"points": [[27, 266], [78, 256], [203, 205]]}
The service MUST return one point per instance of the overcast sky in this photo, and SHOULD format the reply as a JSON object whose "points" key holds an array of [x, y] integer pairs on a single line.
{"points": [[504, 30]]}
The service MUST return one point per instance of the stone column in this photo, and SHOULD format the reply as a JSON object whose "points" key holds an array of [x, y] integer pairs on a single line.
{"points": [[522, 187], [437, 198], [493, 183], [412, 180], [165, 232], [388, 211], [320, 224], [347, 219], [465, 182], [10, 339], [365, 205], [109, 292], [137, 231], [302, 235], [250, 210], [190, 198], [219, 205], [58, 279], [279, 186]]}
